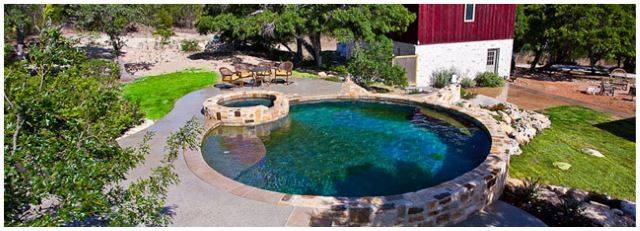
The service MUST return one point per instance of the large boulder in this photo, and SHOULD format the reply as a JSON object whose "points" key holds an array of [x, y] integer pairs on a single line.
{"points": [[628, 208]]}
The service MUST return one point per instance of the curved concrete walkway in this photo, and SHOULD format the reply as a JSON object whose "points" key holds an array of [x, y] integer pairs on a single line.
{"points": [[196, 203]]}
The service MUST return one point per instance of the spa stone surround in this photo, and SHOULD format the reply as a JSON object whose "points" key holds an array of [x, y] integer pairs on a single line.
{"points": [[215, 112], [447, 203]]}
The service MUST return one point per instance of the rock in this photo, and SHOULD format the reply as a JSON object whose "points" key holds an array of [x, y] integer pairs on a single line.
{"points": [[628, 208], [548, 195], [577, 194], [521, 139], [592, 152], [506, 127], [515, 115], [598, 213], [505, 117], [617, 212], [559, 189], [602, 215], [322, 74], [562, 165]]}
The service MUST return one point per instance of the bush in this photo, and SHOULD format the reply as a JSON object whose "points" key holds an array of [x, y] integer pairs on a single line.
{"points": [[342, 69], [489, 79], [373, 64], [61, 129], [467, 95], [189, 45], [442, 78], [467, 82], [99, 68]]}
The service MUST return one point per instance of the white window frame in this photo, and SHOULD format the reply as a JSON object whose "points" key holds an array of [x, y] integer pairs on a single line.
{"points": [[473, 13]]}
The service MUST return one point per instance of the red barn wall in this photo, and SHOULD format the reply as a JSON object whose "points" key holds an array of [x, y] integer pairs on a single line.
{"points": [[444, 23]]}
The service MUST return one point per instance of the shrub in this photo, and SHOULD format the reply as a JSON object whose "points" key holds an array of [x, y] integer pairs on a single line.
{"points": [[373, 64], [189, 45], [61, 129], [467, 82], [489, 79], [342, 69], [99, 68], [442, 78], [467, 95]]}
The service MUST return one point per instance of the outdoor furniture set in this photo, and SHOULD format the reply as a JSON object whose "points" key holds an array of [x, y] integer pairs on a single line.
{"points": [[264, 72], [616, 81]]}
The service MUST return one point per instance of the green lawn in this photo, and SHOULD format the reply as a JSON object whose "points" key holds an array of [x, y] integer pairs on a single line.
{"points": [[572, 129], [157, 94], [295, 73]]}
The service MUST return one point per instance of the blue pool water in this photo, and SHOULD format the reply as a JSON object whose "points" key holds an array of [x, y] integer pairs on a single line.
{"points": [[349, 148], [249, 102]]}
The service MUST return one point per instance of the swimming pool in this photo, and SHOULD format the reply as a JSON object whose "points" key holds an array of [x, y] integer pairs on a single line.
{"points": [[349, 148]]}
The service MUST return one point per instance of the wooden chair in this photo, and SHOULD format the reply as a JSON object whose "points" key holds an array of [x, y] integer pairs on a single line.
{"points": [[284, 69], [230, 77]]}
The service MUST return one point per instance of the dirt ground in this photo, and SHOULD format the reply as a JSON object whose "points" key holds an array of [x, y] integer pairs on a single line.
{"points": [[533, 94], [574, 89], [143, 46]]}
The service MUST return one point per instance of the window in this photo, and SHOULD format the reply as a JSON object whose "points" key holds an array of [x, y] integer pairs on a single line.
{"points": [[492, 60], [469, 12]]}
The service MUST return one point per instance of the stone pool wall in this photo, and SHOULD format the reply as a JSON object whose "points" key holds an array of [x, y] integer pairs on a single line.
{"points": [[216, 113]]}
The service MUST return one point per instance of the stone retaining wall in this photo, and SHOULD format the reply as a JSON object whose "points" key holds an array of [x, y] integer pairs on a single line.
{"points": [[215, 112]]}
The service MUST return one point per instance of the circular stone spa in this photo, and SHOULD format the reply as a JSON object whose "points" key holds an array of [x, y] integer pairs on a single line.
{"points": [[368, 160]]}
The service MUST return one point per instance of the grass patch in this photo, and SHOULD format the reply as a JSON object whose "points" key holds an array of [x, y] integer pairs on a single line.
{"points": [[157, 94], [572, 129], [303, 74]]}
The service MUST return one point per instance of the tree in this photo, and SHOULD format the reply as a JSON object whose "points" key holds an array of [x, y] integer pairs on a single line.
{"points": [[21, 21], [250, 23], [62, 164], [110, 19], [372, 63], [567, 32]]}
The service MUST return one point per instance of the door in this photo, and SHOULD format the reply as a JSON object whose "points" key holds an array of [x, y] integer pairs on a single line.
{"points": [[492, 60], [410, 64]]}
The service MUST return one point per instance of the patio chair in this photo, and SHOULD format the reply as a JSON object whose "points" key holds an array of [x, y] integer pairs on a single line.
{"points": [[229, 76], [243, 71], [284, 69], [619, 82]]}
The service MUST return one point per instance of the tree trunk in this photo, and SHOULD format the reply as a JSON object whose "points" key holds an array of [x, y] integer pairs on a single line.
{"points": [[298, 56], [536, 59], [20, 43], [593, 59], [629, 64], [317, 47]]}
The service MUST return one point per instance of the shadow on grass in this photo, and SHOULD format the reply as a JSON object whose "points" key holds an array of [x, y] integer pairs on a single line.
{"points": [[624, 128]]}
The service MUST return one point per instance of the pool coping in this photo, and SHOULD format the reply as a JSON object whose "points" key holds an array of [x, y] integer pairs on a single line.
{"points": [[448, 202]]}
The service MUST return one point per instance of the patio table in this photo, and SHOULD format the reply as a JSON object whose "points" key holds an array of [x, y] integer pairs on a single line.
{"points": [[257, 69]]}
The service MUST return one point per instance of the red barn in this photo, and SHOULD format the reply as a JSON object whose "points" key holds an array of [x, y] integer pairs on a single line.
{"points": [[471, 38]]}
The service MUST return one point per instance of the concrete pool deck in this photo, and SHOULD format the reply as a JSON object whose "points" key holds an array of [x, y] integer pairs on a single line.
{"points": [[196, 203]]}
